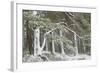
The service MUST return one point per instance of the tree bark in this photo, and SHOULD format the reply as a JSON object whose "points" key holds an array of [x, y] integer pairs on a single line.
{"points": [[53, 46], [46, 45], [44, 41], [84, 50], [37, 49], [29, 37], [62, 48], [75, 43]]}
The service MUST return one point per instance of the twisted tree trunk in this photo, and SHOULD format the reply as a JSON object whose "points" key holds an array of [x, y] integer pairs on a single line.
{"points": [[37, 48]]}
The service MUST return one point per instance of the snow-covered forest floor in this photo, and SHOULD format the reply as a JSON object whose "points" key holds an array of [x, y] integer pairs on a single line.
{"points": [[54, 57]]}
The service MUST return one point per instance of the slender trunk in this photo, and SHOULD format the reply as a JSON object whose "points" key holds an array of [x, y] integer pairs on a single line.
{"points": [[84, 50], [30, 41], [75, 43], [62, 48], [53, 46], [46, 45], [80, 51], [44, 41]]}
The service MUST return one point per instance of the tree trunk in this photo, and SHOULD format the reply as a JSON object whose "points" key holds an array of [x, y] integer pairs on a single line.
{"points": [[84, 50], [29, 37], [75, 43], [53, 46], [46, 45], [37, 49], [62, 48]]}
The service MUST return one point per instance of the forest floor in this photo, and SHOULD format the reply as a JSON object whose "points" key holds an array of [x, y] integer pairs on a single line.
{"points": [[55, 57]]}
